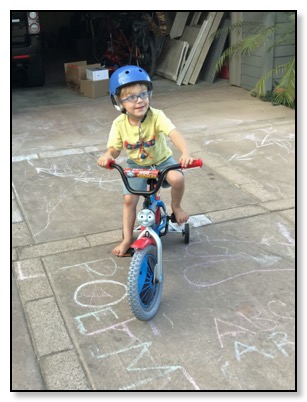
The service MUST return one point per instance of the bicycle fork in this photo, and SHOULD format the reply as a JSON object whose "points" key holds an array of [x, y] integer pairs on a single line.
{"points": [[149, 236]]}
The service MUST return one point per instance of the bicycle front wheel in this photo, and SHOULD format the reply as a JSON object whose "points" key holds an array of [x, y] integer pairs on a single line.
{"points": [[144, 295]]}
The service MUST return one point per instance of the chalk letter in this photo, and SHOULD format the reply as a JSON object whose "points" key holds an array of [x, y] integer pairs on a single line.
{"points": [[281, 341], [241, 348], [232, 329]]}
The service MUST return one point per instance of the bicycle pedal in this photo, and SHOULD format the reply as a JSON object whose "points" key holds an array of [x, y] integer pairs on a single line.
{"points": [[172, 218], [129, 252]]}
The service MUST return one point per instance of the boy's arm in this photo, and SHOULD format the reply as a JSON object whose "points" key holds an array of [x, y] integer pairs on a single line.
{"points": [[182, 146], [110, 155]]}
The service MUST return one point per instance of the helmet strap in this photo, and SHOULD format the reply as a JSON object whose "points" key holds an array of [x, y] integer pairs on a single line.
{"points": [[116, 103], [143, 119]]}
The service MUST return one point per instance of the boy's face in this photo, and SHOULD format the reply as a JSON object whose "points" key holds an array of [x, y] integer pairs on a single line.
{"points": [[138, 108]]}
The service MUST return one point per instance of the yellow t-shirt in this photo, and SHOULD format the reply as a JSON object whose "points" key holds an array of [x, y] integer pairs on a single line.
{"points": [[147, 147]]}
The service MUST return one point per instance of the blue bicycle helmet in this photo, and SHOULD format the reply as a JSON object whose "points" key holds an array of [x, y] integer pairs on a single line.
{"points": [[125, 76]]}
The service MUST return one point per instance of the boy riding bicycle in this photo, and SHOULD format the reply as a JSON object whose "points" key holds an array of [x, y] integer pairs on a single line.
{"points": [[141, 130]]}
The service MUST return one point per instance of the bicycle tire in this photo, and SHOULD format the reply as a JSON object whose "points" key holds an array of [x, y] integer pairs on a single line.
{"points": [[98, 49], [145, 59], [186, 233], [144, 296]]}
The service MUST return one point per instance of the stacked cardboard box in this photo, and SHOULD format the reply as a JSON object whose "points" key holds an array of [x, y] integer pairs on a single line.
{"points": [[97, 73], [77, 74]]}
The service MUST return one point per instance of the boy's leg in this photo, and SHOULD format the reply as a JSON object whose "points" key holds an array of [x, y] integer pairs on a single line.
{"points": [[129, 215], [176, 180]]}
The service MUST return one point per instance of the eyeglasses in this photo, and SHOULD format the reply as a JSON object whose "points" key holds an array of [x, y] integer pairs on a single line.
{"points": [[134, 98]]}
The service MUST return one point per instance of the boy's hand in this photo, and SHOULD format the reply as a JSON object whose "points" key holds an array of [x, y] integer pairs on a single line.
{"points": [[185, 160], [109, 156], [104, 160]]}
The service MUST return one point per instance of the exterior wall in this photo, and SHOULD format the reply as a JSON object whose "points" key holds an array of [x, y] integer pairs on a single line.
{"points": [[250, 68], [282, 53], [254, 66]]}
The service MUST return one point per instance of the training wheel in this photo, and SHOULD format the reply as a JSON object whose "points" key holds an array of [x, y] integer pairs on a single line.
{"points": [[186, 233]]}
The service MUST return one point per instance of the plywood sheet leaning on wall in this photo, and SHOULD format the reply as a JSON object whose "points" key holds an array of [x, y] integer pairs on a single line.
{"points": [[215, 52], [190, 34], [205, 48], [171, 59], [194, 52], [178, 24]]}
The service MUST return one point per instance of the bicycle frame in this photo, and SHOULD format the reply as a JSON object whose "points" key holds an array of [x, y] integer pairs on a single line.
{"points": [[145, 274], [151, 234]]}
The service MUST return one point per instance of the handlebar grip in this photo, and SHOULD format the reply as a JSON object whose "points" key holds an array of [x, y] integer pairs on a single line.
{"points": [[110, 165], [195, 164]]}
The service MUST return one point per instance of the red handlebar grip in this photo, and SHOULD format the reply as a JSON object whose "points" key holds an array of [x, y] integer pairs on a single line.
{"points": [[109, 165], [196, 163]]}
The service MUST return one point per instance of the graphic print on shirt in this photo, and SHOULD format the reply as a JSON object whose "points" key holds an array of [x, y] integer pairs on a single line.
{"points": [[141, 145]]}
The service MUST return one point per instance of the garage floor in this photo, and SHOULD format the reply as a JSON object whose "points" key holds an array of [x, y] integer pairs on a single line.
{"points": [[226, 321]]}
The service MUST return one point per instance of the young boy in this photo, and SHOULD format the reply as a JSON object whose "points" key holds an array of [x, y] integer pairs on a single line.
{"points": [[142, 131]]}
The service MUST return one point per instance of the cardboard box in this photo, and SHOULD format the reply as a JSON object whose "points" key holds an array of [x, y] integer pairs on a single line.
{"points": [[75, 71], [94, 89], [71, 70], [96, 74]]}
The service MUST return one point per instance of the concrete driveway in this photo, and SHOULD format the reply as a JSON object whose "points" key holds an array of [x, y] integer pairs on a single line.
{"points": [[227, 317]]}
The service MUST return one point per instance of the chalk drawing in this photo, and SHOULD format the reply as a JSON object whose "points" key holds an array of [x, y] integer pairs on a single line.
{"points": [[259, 324], [264, 324], [77, 176], [223, 368], [155, 329], [275, 304], [120, 326], [96, 315], [285, 232], [21, 158], [266, 141], [209, 264], [172, 324], [91, 293], [85, 175], [22, 276], [134, 355], [214, 254], [241, 349], [151, 372], [280, 339], [229, 328], [102, 267], [50, 209], [106, 320]]}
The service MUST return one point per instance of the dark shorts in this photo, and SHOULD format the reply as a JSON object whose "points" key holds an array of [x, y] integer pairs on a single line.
{"points": [[141, 184]]}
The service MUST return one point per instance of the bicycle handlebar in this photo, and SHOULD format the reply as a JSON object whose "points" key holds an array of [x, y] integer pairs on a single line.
{"points": [[150, 174], [195, 164]]}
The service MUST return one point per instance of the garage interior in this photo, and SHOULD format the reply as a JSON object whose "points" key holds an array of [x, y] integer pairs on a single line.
{"points": [[68, 36]]}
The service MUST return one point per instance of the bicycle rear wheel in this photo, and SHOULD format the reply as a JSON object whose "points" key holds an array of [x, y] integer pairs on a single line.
{"points": [[99, 49], [146, 59], [144, 295]]}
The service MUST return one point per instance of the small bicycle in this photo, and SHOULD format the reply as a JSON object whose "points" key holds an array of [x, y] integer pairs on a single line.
{"points": [[121, 38], [145, 276]]}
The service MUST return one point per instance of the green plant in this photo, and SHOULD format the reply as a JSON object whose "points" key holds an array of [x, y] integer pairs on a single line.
{"points": [[256, 35]]}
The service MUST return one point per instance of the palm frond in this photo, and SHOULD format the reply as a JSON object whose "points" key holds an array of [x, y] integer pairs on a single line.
{"points": [[239, 26], [245, 46], [255, 35], [284, 92]]}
